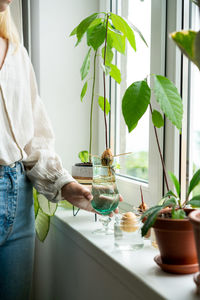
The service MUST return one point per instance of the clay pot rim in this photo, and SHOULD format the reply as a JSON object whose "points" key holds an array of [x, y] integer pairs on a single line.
{"points": [[172, 224], [194, 216], [168, 210]]}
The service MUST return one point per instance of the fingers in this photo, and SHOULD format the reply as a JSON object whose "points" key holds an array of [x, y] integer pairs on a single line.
{"points": [[120, 198], [87, 194]]}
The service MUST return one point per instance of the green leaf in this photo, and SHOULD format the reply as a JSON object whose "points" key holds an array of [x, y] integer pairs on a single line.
{"points": [[197, 49], [83, 26], [195, 201], [169, 99], [36, 205], [121, 25], [84, 156], [95, 22], [42, 224], [169, 194], [109, 55], [139, 32], [74, 31], [169, 202], [188, 42], [83, 91], [135, 102], [101, 104], [178, 214], [152, 214], [86, 65], [96, 36], [116, 40], [115, 73], [157, 119], [194, 181], [47, 207], [150, 220], [150, 211], [175, 182]]}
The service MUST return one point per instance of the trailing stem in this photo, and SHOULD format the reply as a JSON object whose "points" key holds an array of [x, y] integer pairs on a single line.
{"points": [[161, 157], [91, 108], [104, 83]]}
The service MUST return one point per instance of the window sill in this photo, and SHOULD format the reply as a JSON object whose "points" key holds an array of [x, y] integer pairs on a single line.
{"points": [[135, 270]]}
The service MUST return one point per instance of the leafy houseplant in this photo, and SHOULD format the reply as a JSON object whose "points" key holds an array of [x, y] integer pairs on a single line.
{"points": [[44, 210], [169, 218], [106, 33], [188, 42]]}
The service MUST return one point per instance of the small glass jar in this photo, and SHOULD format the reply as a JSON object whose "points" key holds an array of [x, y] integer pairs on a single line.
{"points": [[127, 232]]}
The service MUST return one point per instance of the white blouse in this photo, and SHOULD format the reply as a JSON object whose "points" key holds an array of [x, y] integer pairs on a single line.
{"points": [[25, 131]]}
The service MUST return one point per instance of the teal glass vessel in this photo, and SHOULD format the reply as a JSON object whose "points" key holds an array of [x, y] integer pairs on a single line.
{"points": [[104, 188]]}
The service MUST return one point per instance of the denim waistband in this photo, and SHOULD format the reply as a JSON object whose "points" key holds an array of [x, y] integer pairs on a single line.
{"points": [[17, 167]]}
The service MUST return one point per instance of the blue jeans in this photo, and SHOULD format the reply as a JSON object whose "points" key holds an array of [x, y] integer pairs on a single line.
{"points": [[17, 233]]}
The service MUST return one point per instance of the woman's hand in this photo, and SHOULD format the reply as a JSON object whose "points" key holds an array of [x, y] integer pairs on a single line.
{"points": [[80, 196]]}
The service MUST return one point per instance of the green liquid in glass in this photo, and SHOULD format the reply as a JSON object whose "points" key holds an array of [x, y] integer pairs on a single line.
{"points": [[105, 196]]}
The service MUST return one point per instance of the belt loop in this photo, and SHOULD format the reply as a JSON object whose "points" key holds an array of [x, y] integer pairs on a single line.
{"points": [[22, 166]]}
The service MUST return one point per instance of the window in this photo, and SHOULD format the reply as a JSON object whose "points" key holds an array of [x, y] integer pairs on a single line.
{"points": [[194, 107], [136, 66], [142, 167]]}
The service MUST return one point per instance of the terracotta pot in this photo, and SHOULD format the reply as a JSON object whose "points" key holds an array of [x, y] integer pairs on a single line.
{"points": [[194, 217], [175, 239]]}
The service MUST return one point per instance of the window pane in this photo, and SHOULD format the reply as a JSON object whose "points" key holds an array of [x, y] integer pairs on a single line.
{"points": [[194, 143], [136, 67]]}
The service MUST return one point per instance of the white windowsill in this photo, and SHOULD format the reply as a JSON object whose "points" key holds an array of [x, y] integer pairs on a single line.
{"points": [[136, 270]]}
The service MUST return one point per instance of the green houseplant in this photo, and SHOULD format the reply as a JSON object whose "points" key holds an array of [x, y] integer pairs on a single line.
{"points": [[106, 33], [171, 210], [188, 42]]}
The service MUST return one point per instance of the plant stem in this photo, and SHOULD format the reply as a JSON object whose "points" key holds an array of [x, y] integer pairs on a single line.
{"points": [[161, 157], [104, 82], [91, 108]]}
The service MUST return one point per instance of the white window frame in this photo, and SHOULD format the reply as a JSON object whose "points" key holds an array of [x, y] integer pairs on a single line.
{"points": [[168, 14]]}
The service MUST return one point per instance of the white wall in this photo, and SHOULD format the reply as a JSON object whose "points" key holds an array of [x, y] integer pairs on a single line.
{"points": [[57, 64]]}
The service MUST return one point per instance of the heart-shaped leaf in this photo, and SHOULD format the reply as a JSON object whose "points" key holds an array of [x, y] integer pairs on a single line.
{"points": [[84, 156], [135, 102]]}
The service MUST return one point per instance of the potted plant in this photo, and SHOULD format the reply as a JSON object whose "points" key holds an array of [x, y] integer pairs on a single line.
{"points": [[188, 42], [106, 33], [171, 212]]}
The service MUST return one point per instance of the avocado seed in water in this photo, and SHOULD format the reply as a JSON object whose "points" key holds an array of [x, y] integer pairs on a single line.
{"points": [[129, 222], [107, 158], [143, 207]]}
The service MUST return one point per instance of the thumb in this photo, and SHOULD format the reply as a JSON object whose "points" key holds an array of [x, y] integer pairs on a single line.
{"points": [[87, 194]]}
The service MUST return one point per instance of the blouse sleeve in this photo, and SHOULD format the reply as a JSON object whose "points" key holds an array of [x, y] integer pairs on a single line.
{"points": [[44, 167]]}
